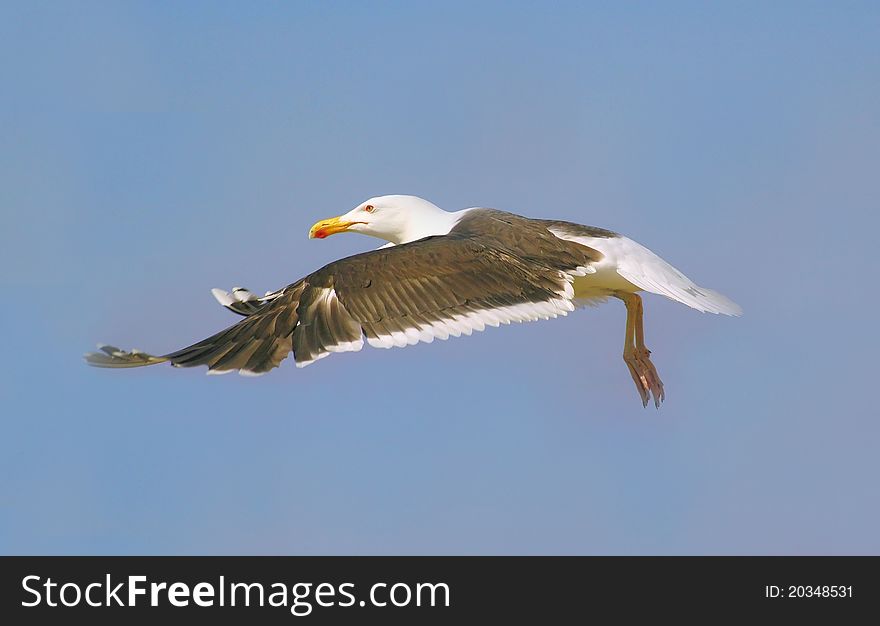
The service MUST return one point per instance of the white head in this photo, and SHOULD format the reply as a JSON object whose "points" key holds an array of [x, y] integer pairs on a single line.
{"points": [[397, 219]]}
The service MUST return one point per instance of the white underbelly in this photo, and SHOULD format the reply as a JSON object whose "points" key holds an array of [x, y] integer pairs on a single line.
{"points": [[596, 287]]}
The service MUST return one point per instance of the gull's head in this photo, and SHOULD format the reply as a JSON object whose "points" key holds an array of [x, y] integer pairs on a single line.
{"points": [[397, 219]]}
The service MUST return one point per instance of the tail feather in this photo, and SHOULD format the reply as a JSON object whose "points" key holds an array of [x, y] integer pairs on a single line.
{"points": [[648, 271]]}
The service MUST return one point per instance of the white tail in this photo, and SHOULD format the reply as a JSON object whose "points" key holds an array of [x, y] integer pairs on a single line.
{"points": [[646, 270]]}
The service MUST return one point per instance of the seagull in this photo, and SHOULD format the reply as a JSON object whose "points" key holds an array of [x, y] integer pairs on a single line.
{"points": [[441, 274]]}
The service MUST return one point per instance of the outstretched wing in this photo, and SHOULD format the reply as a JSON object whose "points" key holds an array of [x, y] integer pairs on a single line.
{"points": [[432, 288], [254, 346]]}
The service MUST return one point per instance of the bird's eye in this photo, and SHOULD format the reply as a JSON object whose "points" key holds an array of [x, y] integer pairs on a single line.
{"points": [[369, 208]]}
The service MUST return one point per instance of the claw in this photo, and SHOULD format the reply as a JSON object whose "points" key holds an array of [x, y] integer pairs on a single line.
{"points": [[637, 379], [645, 376]]}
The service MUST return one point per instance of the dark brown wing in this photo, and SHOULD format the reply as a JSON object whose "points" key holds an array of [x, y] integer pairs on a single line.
{"points": [[255, 345], [493, 268]]}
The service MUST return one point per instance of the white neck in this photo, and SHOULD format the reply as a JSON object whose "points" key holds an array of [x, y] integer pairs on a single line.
{"points": [[430, 224]]}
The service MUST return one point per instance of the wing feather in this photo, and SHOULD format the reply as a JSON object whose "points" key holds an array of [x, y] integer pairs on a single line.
{"points": [[498, 269]]}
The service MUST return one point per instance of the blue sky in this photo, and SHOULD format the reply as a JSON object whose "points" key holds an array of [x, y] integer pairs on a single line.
{"points": [[151, 151]]}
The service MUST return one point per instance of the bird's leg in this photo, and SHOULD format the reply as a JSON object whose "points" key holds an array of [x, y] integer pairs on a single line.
{"points": [[636, 355]]}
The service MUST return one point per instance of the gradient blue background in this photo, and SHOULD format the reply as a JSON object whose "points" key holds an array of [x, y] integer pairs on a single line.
{"points": [[151, 151]]}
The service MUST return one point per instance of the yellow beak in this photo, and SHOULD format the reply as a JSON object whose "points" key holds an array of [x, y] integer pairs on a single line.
{"points": [[325, 228]]}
